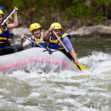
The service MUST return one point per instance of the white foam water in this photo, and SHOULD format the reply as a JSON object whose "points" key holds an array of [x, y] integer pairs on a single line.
{"points": [[88, 90]]}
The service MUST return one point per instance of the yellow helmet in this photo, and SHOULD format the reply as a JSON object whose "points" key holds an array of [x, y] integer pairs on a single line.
{"points": [[56, 25], [1, 12], [34, 26]]}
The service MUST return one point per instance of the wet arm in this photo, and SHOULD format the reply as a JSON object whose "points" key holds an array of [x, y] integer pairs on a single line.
{"points": [[69, 46], [74, 56], [47, 33], [15, 24]]}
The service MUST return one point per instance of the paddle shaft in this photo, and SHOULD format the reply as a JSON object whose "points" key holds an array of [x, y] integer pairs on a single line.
{"points": [[8, 17], [64, 46], [35, 42], [61, 42], [78, 67], [50, 52]]}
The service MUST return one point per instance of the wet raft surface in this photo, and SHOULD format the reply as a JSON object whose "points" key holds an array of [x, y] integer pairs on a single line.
{"points": [[34, 59]]}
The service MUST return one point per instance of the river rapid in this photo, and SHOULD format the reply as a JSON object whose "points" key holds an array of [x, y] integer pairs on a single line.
{"points": [[88, 90]]}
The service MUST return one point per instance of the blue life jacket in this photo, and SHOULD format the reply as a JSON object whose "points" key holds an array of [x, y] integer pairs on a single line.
{"points": [[4, 35], [55, 44], [42, 43]]}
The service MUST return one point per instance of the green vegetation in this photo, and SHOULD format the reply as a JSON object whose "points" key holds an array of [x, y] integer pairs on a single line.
{"points": [[47, 11], [89, 9]]}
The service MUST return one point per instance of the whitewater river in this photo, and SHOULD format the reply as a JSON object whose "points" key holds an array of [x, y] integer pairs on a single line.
{"points": [[65, 91]]}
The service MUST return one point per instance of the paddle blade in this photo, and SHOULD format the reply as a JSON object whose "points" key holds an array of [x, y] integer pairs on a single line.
{"points": [[80, 66]]}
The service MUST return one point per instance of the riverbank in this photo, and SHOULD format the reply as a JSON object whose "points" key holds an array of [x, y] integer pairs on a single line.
{"points": [[84, 31]]}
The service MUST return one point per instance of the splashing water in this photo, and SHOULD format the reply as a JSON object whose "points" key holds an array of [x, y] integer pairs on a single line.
{"points": [[64, 91]]}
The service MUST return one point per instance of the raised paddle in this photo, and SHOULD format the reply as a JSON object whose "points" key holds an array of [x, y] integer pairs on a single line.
{"points": [[8, 17], [79, 66]]}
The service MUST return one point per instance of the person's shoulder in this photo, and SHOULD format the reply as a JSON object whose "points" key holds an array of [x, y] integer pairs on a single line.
{"points": [[64, 34]]}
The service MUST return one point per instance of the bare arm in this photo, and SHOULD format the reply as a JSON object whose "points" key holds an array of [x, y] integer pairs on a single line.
{"points": [[15, 24], [74, 56], [46, 34]]}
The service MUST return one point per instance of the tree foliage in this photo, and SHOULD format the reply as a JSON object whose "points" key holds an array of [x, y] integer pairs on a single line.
{"points": [[47, 11], [90, 9]]}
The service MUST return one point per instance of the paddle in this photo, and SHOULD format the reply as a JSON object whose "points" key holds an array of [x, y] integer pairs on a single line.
{"points": [[50, 52], [8, 17], [79, 66]]}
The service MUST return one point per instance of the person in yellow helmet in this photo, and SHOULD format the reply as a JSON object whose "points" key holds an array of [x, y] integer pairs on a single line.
{"points": [[8, 25], [54, 43], [5, 47], [36, 37]]}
